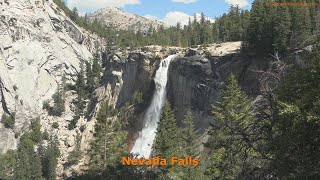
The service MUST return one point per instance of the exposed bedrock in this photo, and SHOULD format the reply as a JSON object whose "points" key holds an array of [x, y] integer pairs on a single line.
{"points": [[39, 45], [196, 81], [126, 74]]}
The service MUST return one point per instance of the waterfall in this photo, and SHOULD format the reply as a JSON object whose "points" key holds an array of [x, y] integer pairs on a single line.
{"points": [[143, 145]]}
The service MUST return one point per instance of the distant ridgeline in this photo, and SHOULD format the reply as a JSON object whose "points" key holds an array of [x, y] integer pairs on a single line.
{"points": [[228, 27], [265, 29]]}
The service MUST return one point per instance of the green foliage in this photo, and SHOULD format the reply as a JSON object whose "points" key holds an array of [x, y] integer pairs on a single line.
{"points": [[280, 28], [264, 29], [295, 133], [229, 27], [167, 139], [90, 84], [28, 165], [76, 154], [129, 109], [59, 101], [301, 25], [46, 105], [8, 120], [80, 88], [50, 161], [93, 75], [59, 104], [55, 125], [190, 138], [36, 134], [109, 144], [259, 30], [232, 135], [191, 146], [73, 14], [45, 135], [74, 157], [137, 97], [96, 70], [168, 142], [82, 128], [8, 162]]}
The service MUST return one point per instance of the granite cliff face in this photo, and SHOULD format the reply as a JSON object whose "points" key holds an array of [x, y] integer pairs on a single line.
{"points": [[114, 17], [196, 81], [39, 45], [132, 72]]}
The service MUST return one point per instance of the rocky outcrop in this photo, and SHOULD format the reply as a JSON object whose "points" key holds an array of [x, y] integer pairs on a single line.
{"points": [[130, 73], [196, 80], [39, 44], [114, 17]]}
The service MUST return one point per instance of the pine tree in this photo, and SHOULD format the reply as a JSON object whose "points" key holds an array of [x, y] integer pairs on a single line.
{"points": [[281, 29], [90, 81], [190, 138], [108, 146], [76, 154], [297, 122], [36, 167], [22, 170], [80, 87], [36, 134], [50, 160], [8, 120], [191, 146], [245, 19], [195, 31], [96, 70], [8, 162], [59, 103], [28, 165], [74, 14], [317, 23], [301, 25], [168, 141], [313, 12], [259, 31], [230, 135]]}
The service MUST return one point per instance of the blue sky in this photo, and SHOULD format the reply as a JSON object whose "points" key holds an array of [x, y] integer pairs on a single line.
{"points": [[169, 11]]}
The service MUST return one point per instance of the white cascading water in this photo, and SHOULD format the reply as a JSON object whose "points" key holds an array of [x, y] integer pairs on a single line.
{"points": [[143, 145]]}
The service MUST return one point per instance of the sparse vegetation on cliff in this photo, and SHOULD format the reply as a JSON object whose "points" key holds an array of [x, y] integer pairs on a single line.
{"points": [[25, 163], [58, 107], [8, 120]]}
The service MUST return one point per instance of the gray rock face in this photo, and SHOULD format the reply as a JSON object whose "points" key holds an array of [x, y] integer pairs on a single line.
{"points": [[192, 87], [7, 136], [130, 73], [136, 70], [39, 45], [116, 18], [195, 82]]}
